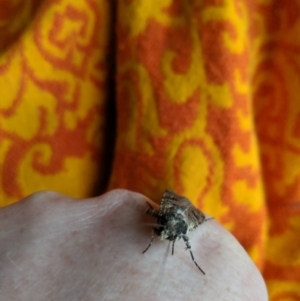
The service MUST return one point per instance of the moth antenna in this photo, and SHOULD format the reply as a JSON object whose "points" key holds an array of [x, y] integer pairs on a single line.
{"points": [[208, 219]]}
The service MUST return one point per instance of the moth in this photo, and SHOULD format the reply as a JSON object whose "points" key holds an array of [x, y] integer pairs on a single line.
{"points": [[176, 217]]}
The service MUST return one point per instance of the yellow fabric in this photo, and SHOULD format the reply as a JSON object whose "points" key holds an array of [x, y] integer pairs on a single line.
{"points": [[53, 77], [206, 98]]}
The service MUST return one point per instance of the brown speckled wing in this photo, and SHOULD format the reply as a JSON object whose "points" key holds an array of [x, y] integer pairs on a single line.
{"points": [[195, 217], [171, 202]]}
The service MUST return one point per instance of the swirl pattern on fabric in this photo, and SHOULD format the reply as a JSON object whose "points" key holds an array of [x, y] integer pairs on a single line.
{"points": [[206, 95]]}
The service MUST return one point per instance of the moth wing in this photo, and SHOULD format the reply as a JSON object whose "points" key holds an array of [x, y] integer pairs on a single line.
{"points": [[195, 217], [172, 202]]}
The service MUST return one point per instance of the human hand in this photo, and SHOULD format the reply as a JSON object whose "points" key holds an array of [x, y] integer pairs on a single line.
{"points": [[55, 248]]}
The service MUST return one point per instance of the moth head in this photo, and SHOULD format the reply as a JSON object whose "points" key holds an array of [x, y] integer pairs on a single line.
{"points": [[174, 226]]}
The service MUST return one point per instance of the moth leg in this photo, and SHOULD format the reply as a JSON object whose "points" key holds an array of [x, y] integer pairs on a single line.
{"points": [[151, 211], [188, 247], [149, 205], [150, 243], [208, 219], [173, 246]]}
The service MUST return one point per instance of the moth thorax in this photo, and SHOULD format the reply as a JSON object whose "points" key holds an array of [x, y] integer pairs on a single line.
{"points": [[174, 225]]}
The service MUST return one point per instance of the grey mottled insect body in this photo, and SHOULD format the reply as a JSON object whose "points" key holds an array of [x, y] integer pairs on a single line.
{"points": [[176, 216]]}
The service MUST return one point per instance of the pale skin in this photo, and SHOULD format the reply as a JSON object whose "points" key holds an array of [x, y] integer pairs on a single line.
{"points": [[56, 248]]}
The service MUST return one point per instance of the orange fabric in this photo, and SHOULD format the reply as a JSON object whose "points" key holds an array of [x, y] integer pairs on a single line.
{"points": [[207, 104]]}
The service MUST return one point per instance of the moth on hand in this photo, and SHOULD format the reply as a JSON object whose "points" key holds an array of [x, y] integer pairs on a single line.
{"points": [[176, 216]]}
